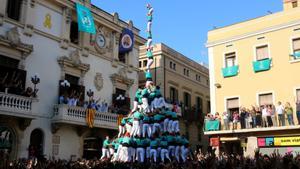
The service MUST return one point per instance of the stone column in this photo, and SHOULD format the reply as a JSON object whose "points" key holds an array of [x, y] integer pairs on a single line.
{"points": [[65, 31], [29, 14], [2, 10], [115, 39]]}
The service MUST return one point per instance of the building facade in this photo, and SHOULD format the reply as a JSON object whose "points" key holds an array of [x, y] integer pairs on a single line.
{"points": [[41, 36], [252, 63], [183, 81]]}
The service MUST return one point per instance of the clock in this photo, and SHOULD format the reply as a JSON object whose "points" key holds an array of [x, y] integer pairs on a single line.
{"points": [[100, 40]]}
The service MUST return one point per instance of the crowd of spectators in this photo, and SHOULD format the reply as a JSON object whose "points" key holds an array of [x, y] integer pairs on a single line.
{"points": [[14, 84], [258, 116], [197, 160]]}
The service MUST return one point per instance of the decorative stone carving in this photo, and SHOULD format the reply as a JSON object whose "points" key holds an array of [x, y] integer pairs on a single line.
{"points": [[98, 81], [130, 24], [73, 61], [105, 35], [13, 36], [28, 30], [121, 77], [116, 18], [68, 15]]}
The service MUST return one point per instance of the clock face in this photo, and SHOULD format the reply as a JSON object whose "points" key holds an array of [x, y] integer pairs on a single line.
{"points": [[100, 40]]}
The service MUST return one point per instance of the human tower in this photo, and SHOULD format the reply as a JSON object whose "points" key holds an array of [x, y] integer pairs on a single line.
{"points": [[151, 130]]}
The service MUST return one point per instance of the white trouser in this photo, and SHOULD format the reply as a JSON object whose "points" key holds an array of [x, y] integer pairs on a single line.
{"points": [[171, 150], [146, 130], [132, 153], [111, 151], [145, 105], [117, 155], [158, 151], [105, 153], [135, 106], [184, 153], [170, 126], [161, 126], [175, 126], [148, 152], [160, 102], [166, 122], [128, 128], [153, 154], [149, 63], [149, 43], [149, 24], [121, 131], [140, 154], [177, 153], [164, 153], [135, 128], [156, 126], [125, 154]]}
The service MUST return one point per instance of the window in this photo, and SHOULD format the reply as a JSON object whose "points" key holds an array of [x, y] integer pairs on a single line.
{"points": [[173, 94], [232, 105], [295, 4], [298, 94], [122, 57], [144, 63], [74, 33], [198, 78], [140, 64], [72, 79], [184, 71], [187, 100], [296, 48], [188, 72], [262, 52], [174, 66], [171, 65], [230, 59], [8, 62], [207, 82], [265, 99], [208, 106], [13, 9], [199, 105]]}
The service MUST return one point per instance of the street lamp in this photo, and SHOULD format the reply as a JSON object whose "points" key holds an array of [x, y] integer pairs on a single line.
{"points": [[35, 80], [90, 93]]}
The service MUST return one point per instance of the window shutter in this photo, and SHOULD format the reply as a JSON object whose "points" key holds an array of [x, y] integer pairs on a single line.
{"points": [[265, 99], [262, 53], [232, 103]]}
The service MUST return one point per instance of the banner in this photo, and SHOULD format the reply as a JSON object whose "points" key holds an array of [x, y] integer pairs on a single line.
{"points": [[287, 141], [126, 41], [278, 141], [215, 142], [85, 19]]}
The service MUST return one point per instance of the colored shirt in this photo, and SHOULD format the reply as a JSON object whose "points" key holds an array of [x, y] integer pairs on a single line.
{"points": [[106, 143], [139, 142], [123, 121], [146, 119], [146, 142], [148, 75], [158, 117], [130, 120], [145, 93], [289, 110], [138, 115], [149, 53], [184, 141], [153, 143], [170, 139], [126, 140], [164, 143]]}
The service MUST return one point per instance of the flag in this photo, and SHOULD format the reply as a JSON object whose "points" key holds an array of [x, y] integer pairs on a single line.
{"points": [[85, 19], [126, 41]]}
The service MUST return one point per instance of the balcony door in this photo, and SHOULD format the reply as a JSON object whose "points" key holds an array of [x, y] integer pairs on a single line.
{"points": [[36, 147], [232, 106]]}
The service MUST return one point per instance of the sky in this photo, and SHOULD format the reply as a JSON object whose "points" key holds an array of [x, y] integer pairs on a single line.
{"points": [[183, 24]]}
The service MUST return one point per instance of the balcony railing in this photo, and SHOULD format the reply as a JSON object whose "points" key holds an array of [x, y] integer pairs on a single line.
{"points": [[18, 106], [77, 116], [262, 65], [230, 71]]}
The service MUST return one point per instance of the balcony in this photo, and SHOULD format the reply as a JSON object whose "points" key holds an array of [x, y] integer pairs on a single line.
{"points": [[17, 106], [230, 71], [74, 115], [261, 65]]}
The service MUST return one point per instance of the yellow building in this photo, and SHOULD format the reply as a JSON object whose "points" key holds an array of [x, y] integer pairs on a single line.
{"points": [[255, 63], [184, 81]]}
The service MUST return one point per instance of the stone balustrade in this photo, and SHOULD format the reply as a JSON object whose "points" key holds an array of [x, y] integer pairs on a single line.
{"points": [[77, 116], [18, 106]]}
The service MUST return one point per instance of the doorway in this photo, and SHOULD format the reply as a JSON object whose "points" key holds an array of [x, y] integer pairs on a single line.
{"points": [[36, 147]]}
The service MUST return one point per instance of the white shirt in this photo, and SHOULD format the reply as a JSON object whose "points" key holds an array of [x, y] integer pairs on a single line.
{"points": [[280, 109], [264, 112]]}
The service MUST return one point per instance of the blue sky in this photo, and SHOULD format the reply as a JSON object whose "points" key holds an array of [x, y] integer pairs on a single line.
{"points": [[183, 24]]}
